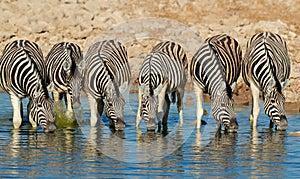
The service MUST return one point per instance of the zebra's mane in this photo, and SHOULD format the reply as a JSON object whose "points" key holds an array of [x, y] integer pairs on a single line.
{"points": [[111, 75], [277, 83], [151, 91]]}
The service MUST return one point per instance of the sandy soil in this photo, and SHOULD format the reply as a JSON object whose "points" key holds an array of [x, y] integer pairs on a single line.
{"points": [[83, 21]]}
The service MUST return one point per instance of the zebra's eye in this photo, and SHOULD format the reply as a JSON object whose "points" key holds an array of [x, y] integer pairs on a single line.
{"points": [[273, 101]]}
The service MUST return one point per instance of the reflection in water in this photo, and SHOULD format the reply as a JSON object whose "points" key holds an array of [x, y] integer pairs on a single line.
{"points": [[178, 151], [266, 147], [260, 156]]}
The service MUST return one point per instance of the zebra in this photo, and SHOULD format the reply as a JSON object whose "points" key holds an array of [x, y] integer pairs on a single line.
{"points": [[215, 69], [164, 71], [266, 68], [107, 76], [65, 66], [22, 75]]}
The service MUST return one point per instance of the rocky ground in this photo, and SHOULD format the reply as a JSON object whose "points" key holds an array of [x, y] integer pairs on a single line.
{"points": [[189, 22]]}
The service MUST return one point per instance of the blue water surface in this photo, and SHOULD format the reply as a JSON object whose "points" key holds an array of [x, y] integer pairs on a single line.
{"points": [[178, 151]]}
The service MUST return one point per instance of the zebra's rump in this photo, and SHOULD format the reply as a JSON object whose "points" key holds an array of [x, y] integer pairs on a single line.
{"points": [[22, 67], [106, 61], [229, 53], [206, 70], [61, 63], [166, 63], [114, 58], [173, 50], [266, 54]]}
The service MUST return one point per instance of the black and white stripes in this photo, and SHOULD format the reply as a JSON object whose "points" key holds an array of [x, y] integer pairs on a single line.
{"points": [[64, 66], [163, 71], [266, 68], [23, 75], [213, 69], [107, 76]]}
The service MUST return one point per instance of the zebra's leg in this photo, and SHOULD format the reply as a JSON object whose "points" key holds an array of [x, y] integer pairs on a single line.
{"points": [[56, 96], [93, 108], [166, 109], [32, 122], [17, 108], [255, 104], [69, 103], [180, 94], [138, 114], [100, 106], [199, 98], [161, 101]]}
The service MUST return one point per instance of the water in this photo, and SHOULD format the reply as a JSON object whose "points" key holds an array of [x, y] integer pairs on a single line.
{"points": [[178, 151]]}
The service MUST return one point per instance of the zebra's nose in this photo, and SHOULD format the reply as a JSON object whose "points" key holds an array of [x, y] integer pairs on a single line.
{"points": [[76, 103], [233, 126], [151, 125], [120, 125], [50, 127], [283, 124]]}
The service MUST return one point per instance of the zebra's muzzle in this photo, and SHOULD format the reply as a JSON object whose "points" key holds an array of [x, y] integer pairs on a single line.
{"points": [[282, 124], [119, 124], [50, 127], [76, 103], [232, 126], [151, 125]]}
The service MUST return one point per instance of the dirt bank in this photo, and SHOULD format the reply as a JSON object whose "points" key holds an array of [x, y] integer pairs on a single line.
{"points": [[82, 21]]}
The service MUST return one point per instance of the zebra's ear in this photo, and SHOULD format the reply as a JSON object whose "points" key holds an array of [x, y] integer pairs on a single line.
{"points": [[144, 90], [81, 65], [158, 89], [50, 87], [270, 86], [67, 65], [110, 90], [37, 92]]}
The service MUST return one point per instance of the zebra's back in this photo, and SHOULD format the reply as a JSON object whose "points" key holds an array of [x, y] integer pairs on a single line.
{"points": [[173, 50], [21, 59], [61, 62], [113, 56], [167, 62], [266, 52], [229, 54]]}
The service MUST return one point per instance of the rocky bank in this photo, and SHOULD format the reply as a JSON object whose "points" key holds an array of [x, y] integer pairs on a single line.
{"points": [[141, 24]]}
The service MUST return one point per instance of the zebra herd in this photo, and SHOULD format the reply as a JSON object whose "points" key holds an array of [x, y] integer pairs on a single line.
{"points": [[104, 75]]}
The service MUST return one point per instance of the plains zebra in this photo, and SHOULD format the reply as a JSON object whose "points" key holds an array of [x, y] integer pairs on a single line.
{"points": [[163, 71], [107, 76], [266, 68], [215, 69], [22, 75], [65, 65]]}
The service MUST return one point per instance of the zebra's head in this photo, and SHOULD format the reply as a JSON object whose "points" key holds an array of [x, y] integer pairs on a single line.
{"points": [[222, 110], [114, 106], [149, 110], [74, 69], [77, 84], [40, 109], [274, 108]]}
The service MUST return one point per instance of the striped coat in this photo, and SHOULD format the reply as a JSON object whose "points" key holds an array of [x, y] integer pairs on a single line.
{"points": [[23, 75], [266, 68], [215, 69]]}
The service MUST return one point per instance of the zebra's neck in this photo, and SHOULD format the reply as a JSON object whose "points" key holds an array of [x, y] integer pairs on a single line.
{"points": [[220, 90]]}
